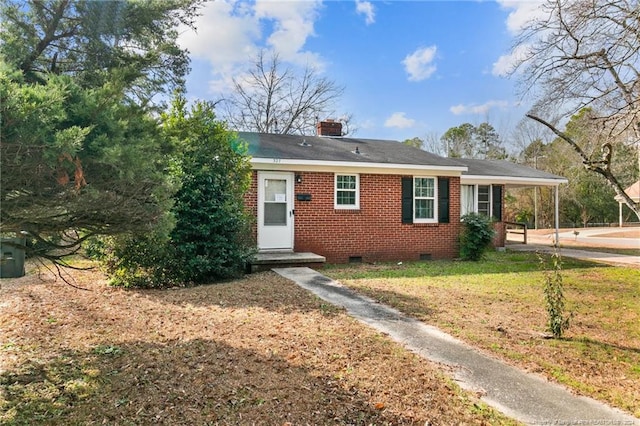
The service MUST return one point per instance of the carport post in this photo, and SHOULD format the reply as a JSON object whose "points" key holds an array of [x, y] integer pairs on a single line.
{"points": [[620, 215], [557, 216]]}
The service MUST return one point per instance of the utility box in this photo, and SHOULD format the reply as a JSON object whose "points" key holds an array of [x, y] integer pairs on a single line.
{"points": [[12, 257]]}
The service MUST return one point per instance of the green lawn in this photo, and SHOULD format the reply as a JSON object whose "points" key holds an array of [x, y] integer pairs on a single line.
{"points": [[625, 251], [498, 305]]}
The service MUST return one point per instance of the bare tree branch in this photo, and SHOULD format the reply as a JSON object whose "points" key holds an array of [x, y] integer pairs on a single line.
{"points": [[602, 167], [273, 98], [585, 54]]}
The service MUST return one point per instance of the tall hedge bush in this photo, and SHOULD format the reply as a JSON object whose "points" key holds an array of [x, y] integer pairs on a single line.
{"points": [[206, 235], [212, 232], [476, 236]]}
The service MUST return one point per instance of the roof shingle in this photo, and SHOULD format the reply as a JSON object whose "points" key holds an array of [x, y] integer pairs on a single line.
{"points": [[296, 147], [375, 151]]}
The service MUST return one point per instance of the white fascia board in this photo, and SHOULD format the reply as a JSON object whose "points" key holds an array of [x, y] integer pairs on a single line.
{"points": [[510, 180], [619, 199], [353, 167]]}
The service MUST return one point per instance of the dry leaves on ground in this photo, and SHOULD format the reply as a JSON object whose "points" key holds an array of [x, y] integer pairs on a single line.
{"points": [[254, 351]]}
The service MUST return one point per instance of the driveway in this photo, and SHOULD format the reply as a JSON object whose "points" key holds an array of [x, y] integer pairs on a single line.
{"points": [[628, 237], [616, 238]]}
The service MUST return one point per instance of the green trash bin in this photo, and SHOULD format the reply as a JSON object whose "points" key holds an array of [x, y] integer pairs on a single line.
{"points": [[12, 257]]}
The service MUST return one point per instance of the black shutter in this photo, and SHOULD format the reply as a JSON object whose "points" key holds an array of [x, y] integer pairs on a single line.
{"points": [[497, 202], [443, 200], [407, 200]]}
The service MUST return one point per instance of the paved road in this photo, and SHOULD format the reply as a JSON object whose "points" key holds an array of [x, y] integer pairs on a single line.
{"points": [[590, 236], [608, 258], [523, 396], [599, 236]]}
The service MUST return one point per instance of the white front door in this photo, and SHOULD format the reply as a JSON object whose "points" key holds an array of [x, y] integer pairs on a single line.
{"points": [[275, 211]]}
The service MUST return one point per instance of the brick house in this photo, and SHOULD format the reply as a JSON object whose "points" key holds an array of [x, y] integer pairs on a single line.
{"points": [[353, 200]]}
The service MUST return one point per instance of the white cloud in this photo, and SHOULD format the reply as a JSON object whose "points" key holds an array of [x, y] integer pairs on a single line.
{"points": [[225, 34], [293, 23], [507, 63], [398, 119], [522, 13], [366, 8], [461, 109], [419, 64], [231, 32]]}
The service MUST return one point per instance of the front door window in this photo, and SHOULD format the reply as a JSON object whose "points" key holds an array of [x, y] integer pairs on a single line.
{"points": [[275, 202]]}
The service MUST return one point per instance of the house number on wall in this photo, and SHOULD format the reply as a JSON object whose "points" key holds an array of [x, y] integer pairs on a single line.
{"points": [[276, 160]]}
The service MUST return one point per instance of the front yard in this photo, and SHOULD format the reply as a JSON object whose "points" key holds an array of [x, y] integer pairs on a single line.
{"points": [[263, 351], [255, 351], [498, 306]]}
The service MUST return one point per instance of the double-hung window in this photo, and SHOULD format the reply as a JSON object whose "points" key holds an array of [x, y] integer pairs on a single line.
{"points": [[424, 199], [347, 191], [482, 199]]}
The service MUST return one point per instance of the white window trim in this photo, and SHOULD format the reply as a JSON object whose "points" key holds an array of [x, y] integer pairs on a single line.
{"points": [[435, 200], [475, 198], [489, 201], [337, 206]]}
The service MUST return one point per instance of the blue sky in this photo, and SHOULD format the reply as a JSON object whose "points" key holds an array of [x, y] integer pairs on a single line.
{"points": [[409, 68]]}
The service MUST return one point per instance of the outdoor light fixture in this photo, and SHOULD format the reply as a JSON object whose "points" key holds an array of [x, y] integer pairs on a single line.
{"points": [[298, 178]]}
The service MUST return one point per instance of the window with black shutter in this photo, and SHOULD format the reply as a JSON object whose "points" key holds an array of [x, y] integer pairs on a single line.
{"points": [[484, 200], [443, 200], [488, 201], [407, 200], [496, 209], [422, 203]]}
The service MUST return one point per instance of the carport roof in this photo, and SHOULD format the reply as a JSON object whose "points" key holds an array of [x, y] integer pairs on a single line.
{"points": [[633, 192], [500, 171]]}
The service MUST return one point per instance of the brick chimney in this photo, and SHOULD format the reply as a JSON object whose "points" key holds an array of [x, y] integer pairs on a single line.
{"points": [[329, 127]]}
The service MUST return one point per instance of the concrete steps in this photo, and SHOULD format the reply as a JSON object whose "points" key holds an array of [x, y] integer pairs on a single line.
{"points": [[264, 261]]}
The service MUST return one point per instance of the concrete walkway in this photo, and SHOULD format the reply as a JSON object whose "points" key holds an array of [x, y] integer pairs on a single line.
{"points": [[523, 396]]}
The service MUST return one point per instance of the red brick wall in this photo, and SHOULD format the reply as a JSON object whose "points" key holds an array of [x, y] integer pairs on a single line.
{"points": [[375, 232], [499, 238], [251, 203]]}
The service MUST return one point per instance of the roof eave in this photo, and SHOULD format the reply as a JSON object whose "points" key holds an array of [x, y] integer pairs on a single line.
{"points": [[362, 167], [621, 200], [512, 180]]}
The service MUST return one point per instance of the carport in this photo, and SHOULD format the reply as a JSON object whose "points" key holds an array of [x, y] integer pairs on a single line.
{"points": [[634, 193], [512, 175]]}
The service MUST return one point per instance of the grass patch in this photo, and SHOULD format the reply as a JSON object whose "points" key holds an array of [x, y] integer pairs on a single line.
{"points": [[498, 305], [623, 251], [494, 263], [42, 392]]}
